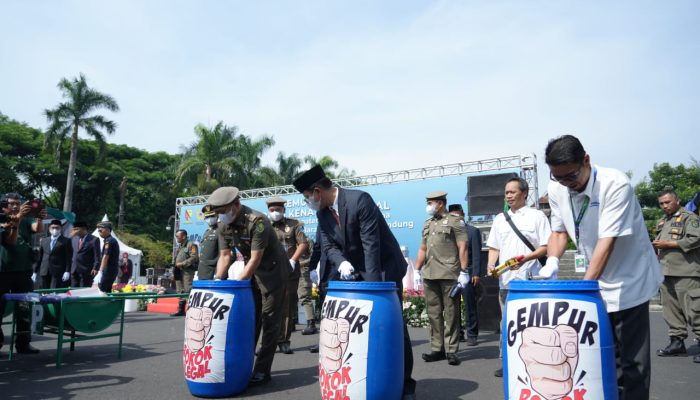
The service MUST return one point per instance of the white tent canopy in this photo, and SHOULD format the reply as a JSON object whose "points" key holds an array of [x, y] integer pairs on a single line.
{"points": [[134, 254]]}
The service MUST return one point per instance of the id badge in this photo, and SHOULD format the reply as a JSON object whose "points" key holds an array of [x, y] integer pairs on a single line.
{"points": [[580, 263]]}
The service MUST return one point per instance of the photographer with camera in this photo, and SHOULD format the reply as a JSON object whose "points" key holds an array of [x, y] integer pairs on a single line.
{"points": [[23, 220]]}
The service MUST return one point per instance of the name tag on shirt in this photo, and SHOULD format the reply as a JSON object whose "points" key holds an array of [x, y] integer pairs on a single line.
{"points": [[580, 263]]}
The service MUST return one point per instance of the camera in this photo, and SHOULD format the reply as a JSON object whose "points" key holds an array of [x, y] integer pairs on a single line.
{"points": [[36, 206]]}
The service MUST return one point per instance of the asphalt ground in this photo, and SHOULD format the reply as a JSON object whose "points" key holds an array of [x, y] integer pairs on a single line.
{"points": [[151, 368]]}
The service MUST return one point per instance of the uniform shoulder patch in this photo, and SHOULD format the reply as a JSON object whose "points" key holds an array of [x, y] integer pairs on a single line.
{"points": [[259, 227], [193, 248], [695, 223]]}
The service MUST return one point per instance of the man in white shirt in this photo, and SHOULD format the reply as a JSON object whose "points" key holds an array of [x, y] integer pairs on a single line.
{"points": [[504, 243], [596, 208]]}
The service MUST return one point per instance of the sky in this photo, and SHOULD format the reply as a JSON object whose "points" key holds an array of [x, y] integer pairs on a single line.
{"points": [[377, 85]]}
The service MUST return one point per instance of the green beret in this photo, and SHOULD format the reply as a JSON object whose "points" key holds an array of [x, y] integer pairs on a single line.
{"points": [[223, 196]]}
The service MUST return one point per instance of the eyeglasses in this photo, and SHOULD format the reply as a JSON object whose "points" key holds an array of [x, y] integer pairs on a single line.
{"points": [[570, 177]]}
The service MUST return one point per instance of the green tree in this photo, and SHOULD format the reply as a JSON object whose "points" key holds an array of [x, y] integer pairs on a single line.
{"points": [[684, 180], [329, 166], [249, 172], [288, 167], [208, 162], [74, 115]]}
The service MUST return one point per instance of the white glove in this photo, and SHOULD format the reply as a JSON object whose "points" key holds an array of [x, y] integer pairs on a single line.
{"points": [[196, 277], [98, 278], [550, 269], [34, 277], [66, 276], [346, 269], [314, 277], [293, 264], [463, 279], [417, 278]]}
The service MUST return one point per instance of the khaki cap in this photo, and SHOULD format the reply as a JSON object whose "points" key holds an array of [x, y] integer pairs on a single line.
{"points": [[223, 196]]}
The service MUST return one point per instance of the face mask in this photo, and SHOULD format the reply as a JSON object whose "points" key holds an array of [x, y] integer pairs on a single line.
{"points": [[313, 204], [431, 209], [211, 220], [276, 216], [55, 232], [226, 218]]}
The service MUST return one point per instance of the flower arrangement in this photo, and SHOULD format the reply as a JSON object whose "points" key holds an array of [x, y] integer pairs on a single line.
{"points": [[141, 288], [414, 310]]}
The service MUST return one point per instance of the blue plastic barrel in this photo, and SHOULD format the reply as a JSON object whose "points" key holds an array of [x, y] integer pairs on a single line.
{"points": [[361, 342], [219, 338], [557, 342]]}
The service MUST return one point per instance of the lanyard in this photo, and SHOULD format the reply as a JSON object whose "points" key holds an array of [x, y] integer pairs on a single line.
{"points": [[582, 211]]}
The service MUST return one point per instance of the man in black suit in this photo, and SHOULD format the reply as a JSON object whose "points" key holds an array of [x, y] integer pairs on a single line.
{"points": [[86, 255], [55, 258], [357, 241]]}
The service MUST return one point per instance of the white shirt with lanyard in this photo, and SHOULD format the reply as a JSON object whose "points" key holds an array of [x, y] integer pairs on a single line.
{"points": [[608, 208]]}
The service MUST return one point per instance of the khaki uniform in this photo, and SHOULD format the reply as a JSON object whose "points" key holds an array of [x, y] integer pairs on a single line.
{"points": [[680, 291], [440, 272], [290, 233], [251, 230], [305, 285], [187, 254], [208, 254]]}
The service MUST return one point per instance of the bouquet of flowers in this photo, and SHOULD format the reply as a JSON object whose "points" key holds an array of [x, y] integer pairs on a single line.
{"points": [[414, 311]]}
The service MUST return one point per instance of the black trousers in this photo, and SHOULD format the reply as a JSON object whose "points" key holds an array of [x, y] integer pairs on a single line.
{"points": [[17, 282], [81, 278], [49, 281], [632, 351], [471, 311]]}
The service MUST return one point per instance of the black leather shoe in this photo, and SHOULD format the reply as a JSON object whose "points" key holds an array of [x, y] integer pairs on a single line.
{"points": [[452, 359], [259, 379], [461, 337], [28, 349], [433, 356], [284, 348], [313, 349], [696, 359], [498, 373], [310, 328], [471, 341], [675, 348]]}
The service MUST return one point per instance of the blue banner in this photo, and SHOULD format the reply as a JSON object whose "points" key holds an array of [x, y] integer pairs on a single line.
{"points": [[402, 204]]}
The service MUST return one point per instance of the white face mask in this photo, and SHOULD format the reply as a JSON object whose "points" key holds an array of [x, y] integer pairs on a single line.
{"points": [[211, 220], [226, 218], [276, 216], [313, 204], [55, 232], [431, 209]]}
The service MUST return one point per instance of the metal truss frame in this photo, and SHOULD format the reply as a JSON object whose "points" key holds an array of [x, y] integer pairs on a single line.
{"points": [[527, 164]]}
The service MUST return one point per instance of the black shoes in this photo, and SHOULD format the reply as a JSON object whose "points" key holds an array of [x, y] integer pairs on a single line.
{"points": [[452, 359], [498, 373], [434, 356], [26, 349], [313, 349], [259, 379], [675, 348], [462, 339], [696, 359], [285, 349], [310, 328], [471, 341], [180, 311]]}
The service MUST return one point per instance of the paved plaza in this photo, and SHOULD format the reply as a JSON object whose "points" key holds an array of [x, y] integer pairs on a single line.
{"points": [[151, 368]]}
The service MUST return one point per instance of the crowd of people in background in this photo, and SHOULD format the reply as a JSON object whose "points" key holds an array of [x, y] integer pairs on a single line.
{"points": [[57, 261], [593, 207]]}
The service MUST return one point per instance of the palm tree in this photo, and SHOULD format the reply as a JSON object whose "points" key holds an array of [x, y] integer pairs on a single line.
{"points": [[71, 116], [288, 167], [210, 161], [248, 173]]}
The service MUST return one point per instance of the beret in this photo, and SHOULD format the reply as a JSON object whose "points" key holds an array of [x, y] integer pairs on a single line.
{"points": [[223, 196]]}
